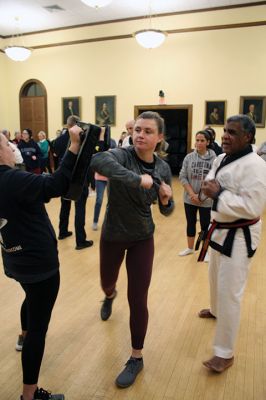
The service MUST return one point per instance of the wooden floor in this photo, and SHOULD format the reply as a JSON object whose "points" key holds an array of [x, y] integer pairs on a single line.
{"points": [[84, 355]]}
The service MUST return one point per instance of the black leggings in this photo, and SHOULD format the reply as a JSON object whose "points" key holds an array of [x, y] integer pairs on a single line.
{"points": [[139, 260], [35, 314], [191, 216]]}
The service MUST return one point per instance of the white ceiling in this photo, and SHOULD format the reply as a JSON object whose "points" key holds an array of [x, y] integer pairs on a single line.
{"points": [[32, 16]]}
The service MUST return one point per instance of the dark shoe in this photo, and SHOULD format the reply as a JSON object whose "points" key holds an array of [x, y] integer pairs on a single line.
{"points": [[218, 364], [87, 243], [64, 235], [106, 309], [41, 394], [129, 374], [19, 344], [206, 313]]}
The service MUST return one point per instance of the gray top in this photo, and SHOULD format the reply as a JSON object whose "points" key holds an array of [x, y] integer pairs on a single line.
{"points": [[128, 212], [262, 149], [194, 170]]}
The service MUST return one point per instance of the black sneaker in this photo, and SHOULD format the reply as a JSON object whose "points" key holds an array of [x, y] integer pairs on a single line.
{"points": [[87, 243], [64, 235], [106, 309], [129, 374], [41, 394], [19, 344]]}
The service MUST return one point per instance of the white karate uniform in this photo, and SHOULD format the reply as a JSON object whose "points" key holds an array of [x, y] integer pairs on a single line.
{"points": [[244, 197]]}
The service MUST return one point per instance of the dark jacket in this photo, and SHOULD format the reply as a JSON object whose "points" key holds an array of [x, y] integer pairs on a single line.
{"points": [[60, 144], [29, 149], [128, 213], [28, 241]]}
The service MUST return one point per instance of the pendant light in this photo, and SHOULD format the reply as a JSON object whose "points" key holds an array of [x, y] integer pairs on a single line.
{"points": [[15, 51], [96, 3], [150, 38]]}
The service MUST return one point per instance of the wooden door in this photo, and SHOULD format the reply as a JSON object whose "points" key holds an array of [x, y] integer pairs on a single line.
{"points": [[33, 108]]}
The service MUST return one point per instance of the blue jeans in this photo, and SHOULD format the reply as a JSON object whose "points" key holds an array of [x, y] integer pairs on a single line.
{"points": [[100, 188]]}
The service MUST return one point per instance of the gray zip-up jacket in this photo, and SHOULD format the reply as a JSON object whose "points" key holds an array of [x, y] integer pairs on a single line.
{"points": [[194, 170], [128, 214]]}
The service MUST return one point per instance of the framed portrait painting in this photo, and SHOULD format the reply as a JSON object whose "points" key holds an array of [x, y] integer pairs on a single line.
{"points": [[105, 110], [70, 106], [215, 112], [254, 107]]}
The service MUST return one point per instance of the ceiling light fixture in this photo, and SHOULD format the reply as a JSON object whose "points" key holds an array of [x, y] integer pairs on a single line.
{"points": [[96, 3], [150, 38], [17, 52]]}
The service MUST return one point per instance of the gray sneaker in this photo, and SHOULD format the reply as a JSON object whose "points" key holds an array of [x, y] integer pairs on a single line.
{"points": [[128, 375], [19, 344], [106, 309]]}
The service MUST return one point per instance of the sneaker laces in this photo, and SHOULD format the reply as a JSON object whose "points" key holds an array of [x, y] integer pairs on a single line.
{"points": [[42, 394], [131, 365]]}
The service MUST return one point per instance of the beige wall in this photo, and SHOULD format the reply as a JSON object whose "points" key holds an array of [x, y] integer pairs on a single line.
{"points": [[4, 117], [190, 67]]}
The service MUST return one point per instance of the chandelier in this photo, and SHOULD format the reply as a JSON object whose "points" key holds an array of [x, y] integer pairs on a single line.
{"points": [[17, 53], [150, 38], [14, 51], [96, 3]]}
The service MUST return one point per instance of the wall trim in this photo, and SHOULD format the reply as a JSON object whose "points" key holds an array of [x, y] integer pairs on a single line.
{"points": [[171, 31], [200, 10]]}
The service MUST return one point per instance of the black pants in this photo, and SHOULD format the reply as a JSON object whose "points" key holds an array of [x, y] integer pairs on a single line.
{"points": [[139, 261], [36, 312], [80, 215], [191, 216]]}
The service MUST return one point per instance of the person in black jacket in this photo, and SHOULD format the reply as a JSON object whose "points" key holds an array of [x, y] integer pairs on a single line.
{"points": [[60, 145], [30, 152], [137, 178], [29, 251]]}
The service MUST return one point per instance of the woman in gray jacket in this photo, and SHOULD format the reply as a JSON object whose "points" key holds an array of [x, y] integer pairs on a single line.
{"points": [[136, 179], [195, 168]]}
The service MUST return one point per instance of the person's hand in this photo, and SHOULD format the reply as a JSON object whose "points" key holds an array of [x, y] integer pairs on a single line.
{"points": [[210, 188], [195, 199], [74, 133], [146, 181], [165, 193], [34, 158]]}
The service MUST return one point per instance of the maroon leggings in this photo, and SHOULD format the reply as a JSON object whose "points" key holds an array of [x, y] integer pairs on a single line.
{"points": [[139, 260]]}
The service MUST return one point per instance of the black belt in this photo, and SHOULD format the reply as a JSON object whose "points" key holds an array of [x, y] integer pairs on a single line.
{"points": [[227, 246]]}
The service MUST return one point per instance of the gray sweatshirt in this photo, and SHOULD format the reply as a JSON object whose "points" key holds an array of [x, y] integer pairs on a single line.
{"points": [[128, 212], [194, 170]]}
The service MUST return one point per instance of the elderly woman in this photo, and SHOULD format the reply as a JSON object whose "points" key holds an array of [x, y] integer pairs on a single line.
{"points": [[44, 147]]}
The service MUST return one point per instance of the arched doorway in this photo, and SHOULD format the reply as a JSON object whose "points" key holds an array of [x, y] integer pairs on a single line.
{"points": [[33, 107]]}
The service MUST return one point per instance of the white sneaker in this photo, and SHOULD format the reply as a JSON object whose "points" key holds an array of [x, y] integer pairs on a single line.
{"points": [[94, 226], [186, 252]]}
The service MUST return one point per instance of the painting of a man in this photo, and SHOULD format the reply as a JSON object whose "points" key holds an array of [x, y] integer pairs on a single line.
{"points": [[215, 113], [71, 106], [252, 113], [105, 110], [254, 107]]}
